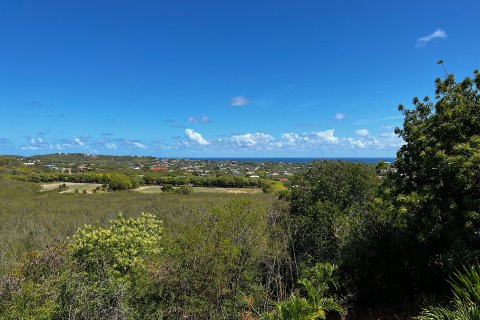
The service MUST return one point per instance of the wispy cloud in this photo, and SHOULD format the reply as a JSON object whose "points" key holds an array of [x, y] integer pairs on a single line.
{"points": [[83, 143], [36, 104], [195, 137], [339, 116], [130, 144], [437, 34], [203, 119], [238, 101], [361, 132], [110, 145]]}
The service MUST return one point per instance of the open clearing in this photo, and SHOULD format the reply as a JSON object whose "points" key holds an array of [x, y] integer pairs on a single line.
{"points": [[149, 189], [88, 187], [158, 189], [227, 190]]}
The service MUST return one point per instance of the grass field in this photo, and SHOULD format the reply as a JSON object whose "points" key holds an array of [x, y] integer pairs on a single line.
{"points": [[228, 190], [158, 189], [31, 219]]}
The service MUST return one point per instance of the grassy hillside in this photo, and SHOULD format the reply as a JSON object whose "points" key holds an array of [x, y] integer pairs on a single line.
{"points": [[32, 220]]}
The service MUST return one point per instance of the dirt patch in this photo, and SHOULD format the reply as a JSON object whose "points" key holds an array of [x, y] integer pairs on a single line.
{"points": [[72, 186]]}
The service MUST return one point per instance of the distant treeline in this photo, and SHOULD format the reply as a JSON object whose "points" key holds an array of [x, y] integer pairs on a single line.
{"points": [[120, 181]]}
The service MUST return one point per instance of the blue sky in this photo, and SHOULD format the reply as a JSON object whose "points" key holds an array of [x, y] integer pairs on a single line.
{"points": [[223, 78]]}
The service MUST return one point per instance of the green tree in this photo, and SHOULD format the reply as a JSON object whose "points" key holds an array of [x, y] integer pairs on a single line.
{"points": [[323, 199], [436, 186], [118, 181]]}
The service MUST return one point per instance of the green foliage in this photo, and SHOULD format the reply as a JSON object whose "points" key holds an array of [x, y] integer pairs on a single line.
{"points": [[91, 278], [466, 298], [212, 262], [117, 181], [168, 188], [435, 190], [324, 199], [184, 190], [31, 220], [274, 187], [381, 167], [316, 298], [119, 248], [9, 162]]}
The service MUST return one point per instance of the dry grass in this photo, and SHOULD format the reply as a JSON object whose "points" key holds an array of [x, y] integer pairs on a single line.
{"points": [[88, 187], [158, 189]]}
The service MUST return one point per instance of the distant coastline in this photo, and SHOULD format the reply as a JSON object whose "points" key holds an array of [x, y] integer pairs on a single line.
{"points": [[294, 160]]}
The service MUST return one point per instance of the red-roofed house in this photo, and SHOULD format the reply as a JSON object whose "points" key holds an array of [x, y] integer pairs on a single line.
{"points": [[159, 168]]}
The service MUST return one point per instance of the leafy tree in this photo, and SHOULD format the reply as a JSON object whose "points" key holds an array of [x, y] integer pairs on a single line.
{"points": [[118, 181], [436, 188], [323, 199], [381, 167]]}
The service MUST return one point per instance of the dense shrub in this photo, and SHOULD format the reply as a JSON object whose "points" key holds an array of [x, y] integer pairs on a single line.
{"points": [[466, 298]]}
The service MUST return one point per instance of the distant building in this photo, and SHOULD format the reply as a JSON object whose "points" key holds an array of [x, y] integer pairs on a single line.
{"points": [[158, 168], [283, 179], [254, 176]]}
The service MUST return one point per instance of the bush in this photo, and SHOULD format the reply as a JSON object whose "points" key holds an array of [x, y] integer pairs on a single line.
{"points": [[91, 278], [119, 248], [315, 299], [185, 190], [466, 298]]}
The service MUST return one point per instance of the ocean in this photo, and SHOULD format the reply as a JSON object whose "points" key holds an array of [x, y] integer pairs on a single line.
{"points": [[297, 160]]}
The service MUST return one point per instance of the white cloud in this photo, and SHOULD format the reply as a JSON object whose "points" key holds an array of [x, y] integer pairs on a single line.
{"points": [[195, 136], [326, 136], [339, 116], [203, 119], [138, 145], [238, 101], [110, 145], [36, 141], [361, 132], [290, 138], [437, 34], [310, 142], [314, 138], [78, 142], [251, 140], [126, 143]]}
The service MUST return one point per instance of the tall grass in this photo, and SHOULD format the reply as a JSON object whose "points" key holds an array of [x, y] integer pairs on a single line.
{"points": [[30, 220]]}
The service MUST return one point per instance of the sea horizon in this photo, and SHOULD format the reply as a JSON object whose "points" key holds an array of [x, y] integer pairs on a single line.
{"points": [[295, 159]]}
